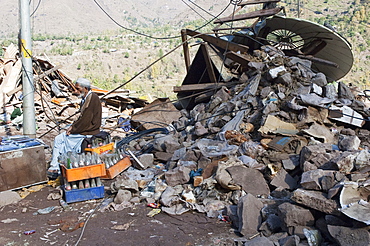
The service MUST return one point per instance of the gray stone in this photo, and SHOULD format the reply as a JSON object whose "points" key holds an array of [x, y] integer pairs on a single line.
{"points": [[249, 179], [167, 143], [122, 196], [345, 162], [291, 163], [258, 241], [199, 129], [146, 159], [293, 215], [124, 182], [316, 200], [345, 236], [250, 219], [283, 179], [285, 79], [330, 91], [290, 241], [169, 197], [274, 222], [178, 175], [163, 156], [135, 200], [319, 79], [312, 180], [310, 151], [348, 143], [9, 197], [178, 154], [345, 92]]}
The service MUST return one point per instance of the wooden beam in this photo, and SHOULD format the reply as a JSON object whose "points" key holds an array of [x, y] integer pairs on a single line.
{"points": [[219, 42], [199, 87], [211, 72], [46, 73], [257, 2], [185, 46], [242, 60], [251, 15]]}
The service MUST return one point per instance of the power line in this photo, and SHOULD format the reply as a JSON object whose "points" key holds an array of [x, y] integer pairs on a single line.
{"points": [[38, 5], [149, 36]]}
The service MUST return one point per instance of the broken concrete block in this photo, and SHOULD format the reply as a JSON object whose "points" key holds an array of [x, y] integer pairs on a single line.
{"points": [[345, 162], [284, 180], [146, 159], [169, 197], [293, 215], [290, 241], [345, 236], [348, 143], [251, 180], [319, 79], [178, 154], [199, 129], [163, 156], [258, 241], [167, 143], [9, 197], [250, 218], [312, 180], [316, 200], [291, 163], [178, 175], [122, 196], [362, 160]]}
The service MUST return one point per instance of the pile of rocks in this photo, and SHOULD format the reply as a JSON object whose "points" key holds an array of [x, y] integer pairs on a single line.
{"points": [[274, 155]]}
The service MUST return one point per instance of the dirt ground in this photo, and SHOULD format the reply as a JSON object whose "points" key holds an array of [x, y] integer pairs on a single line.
{"points": [[61, 227]]}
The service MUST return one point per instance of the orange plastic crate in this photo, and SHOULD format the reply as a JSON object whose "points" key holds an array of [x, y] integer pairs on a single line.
{"points": [[101, 149], [117, 168], [81, 173]]}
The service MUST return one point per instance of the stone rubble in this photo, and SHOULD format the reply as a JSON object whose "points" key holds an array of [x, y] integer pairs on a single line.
{"points": [[266, 154]]}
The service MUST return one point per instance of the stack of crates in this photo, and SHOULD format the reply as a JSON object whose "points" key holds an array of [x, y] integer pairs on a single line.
{"points": [[80, 174]]}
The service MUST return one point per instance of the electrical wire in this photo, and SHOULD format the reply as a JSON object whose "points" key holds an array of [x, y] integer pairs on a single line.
{"points": [[38, 4], [152, 37]]}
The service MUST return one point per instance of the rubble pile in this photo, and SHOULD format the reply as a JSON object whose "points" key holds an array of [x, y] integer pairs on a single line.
{"points": [[283, 153], [56, 101]]}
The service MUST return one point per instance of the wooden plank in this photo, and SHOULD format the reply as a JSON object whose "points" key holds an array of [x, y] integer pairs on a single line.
{"points": [[219, 42], [185, 46], [257, 2], [198, 87], [211, 72], [251, 15], [242, 60], [46, 73]]}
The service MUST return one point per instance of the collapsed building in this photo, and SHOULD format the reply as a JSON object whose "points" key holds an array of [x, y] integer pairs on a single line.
{"points": [[262, 136]]}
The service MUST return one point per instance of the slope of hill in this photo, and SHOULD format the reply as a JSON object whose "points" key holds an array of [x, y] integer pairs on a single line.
{"points": [[83, 39]]}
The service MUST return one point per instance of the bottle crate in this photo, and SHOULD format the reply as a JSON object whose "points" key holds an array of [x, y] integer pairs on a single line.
{"points": [[117, 168], [86, 172], [79, 195]]}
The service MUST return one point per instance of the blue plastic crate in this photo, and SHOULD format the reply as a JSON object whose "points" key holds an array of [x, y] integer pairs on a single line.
{"points": [[80, 195]]}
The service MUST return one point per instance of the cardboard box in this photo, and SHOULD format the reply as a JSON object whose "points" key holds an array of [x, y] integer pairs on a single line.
{"points": [[80, 173], [116, 169], [80, 195]]}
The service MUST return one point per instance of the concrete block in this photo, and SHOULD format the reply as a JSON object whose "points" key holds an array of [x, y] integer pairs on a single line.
{"points": [[283, 179], [146, 159], [122, 196], [345, 236], [178, 175], [316, 200], [250, 218], [9, 197], [293, 215]]}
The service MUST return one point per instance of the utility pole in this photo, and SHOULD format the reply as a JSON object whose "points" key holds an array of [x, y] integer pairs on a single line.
{"points": [[29, 122], [299, 9]]}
